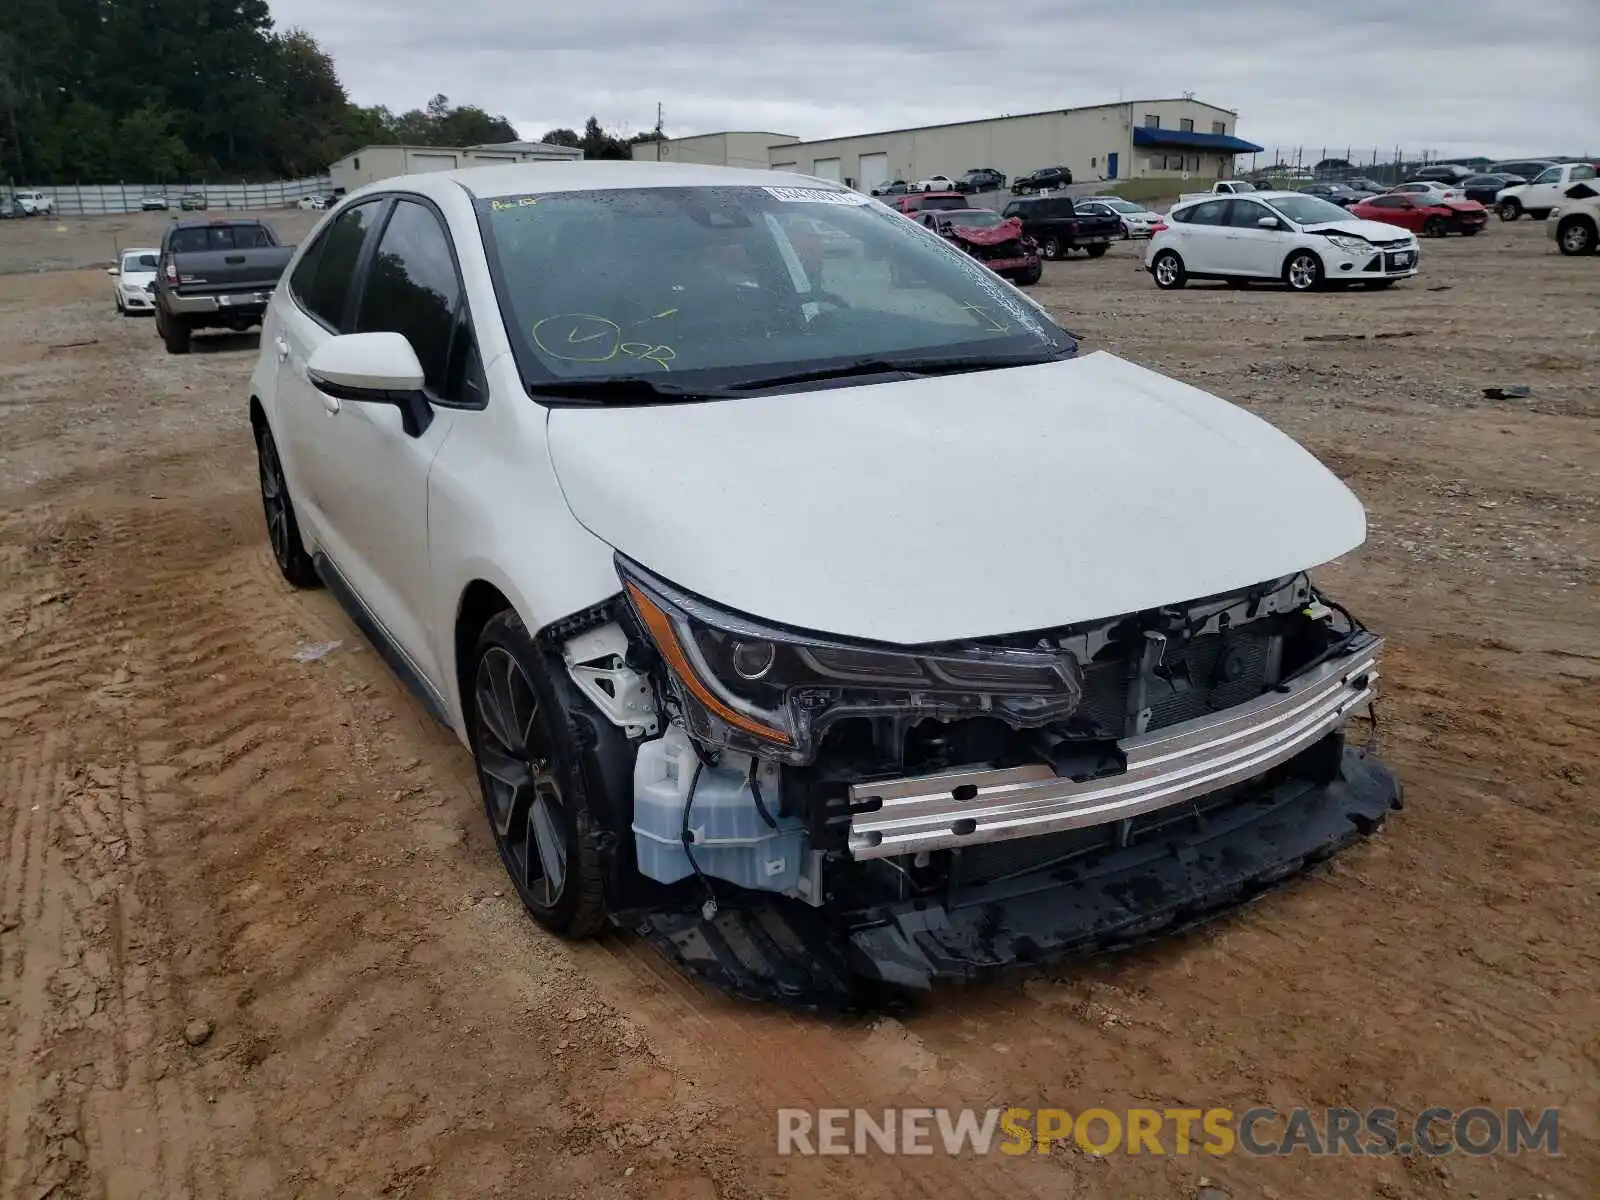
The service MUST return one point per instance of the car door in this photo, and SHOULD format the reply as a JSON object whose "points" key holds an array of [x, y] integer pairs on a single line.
{"points": [[1397, 210], [1253, 250], [1545, 190], [372, 481], [1204, 238]]}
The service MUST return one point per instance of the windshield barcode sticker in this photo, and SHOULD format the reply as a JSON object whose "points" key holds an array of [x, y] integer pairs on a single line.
{"points": [[803, 195]]}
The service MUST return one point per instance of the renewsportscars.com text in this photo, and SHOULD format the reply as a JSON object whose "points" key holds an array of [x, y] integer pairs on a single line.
{"points": [[1260, 1132]]}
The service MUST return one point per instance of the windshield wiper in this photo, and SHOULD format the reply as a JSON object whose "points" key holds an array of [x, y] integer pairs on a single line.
{"points": [[949, 365], [622, 389]]}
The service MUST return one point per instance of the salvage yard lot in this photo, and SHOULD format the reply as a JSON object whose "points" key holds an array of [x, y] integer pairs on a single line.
{"points": [[254, 940]]}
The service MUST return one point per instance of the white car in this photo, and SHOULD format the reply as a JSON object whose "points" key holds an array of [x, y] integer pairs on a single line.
{"points": [[757, 579], [1137, 222], [154, 204], [936, 183], [134, 280], [1575, 222], [1428, 187], [1543, 192], [311, 203], [36, 204], [1305, 241]]}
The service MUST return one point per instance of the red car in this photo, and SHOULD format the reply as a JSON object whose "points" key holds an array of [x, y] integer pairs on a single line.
{"points": [[915, 202], [1424, 214], [995, 241]]}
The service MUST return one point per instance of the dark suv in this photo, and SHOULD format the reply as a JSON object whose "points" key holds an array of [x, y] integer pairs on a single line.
{"points": [[1045, 178], [1056, 225]]}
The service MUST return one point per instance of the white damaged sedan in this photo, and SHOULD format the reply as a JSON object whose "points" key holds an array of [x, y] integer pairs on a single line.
{"points": [[1303, 241], [807, 601]]}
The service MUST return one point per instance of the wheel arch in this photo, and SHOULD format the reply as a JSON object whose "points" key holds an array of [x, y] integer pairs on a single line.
{"points": [[1283, 267]]}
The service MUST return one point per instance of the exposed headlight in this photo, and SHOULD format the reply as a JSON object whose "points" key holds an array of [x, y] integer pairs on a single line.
{"points": [[1351, 245], [748, 686]]}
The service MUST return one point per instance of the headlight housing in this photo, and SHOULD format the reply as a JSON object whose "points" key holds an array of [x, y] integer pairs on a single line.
{"points": [[748, 686], [1351, 245]]}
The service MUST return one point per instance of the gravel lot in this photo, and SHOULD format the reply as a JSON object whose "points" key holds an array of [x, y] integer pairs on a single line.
{"points": [[254, 940]]}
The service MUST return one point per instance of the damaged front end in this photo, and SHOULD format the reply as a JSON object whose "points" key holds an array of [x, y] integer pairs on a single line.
{"points": [[825, 818]]}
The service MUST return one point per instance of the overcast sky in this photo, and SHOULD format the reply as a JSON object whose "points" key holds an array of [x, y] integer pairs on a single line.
{"points": [[1456, 77]]}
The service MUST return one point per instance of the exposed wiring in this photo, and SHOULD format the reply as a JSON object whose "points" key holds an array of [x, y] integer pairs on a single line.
{"points": [[709, 908], [755, 792]]}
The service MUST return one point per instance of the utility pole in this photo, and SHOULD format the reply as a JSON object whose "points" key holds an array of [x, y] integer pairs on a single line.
{"points": [[658, 120]]}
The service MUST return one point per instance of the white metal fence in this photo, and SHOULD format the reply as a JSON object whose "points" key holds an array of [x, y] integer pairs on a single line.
{"points": [[94, 200]]}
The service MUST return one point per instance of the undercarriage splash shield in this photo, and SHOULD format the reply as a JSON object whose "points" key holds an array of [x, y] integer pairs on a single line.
{"points": [[786, 952]]}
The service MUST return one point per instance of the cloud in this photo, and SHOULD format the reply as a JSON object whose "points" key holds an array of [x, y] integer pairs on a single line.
{"points": [[1466, 77]]}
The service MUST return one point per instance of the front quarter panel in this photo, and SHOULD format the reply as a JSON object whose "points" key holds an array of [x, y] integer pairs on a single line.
{"points": [[496, 514]]}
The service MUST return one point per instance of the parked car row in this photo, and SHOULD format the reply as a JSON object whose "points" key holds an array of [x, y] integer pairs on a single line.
{"points": [[980, 179]]}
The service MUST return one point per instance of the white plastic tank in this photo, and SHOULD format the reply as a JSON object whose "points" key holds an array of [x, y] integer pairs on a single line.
{"points": [[730, 838]]}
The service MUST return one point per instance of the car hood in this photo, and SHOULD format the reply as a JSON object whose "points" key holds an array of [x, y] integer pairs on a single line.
{"points": [[959, 506], [996, 235], [137, 279], [1371, 230]]}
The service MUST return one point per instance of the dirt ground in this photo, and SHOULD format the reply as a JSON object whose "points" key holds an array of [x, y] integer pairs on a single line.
{"points": [[254, 940]]}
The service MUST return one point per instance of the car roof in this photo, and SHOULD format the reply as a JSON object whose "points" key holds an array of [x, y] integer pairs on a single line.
{"points": [[127, 250], [578, 175]]}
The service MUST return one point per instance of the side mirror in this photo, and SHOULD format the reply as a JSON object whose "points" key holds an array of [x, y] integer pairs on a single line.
{"points": [[1269, 223], [373, 368]]}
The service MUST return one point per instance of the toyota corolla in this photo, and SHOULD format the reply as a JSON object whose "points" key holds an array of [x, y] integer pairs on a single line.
{"points": [[808, 601]]}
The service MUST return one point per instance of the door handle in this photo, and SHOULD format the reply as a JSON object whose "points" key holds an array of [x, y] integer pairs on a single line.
{"points": [[283, 349], [331, 403]]}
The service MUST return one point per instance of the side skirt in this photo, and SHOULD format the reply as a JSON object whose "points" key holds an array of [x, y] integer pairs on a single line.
{"points": [[380, 638]]}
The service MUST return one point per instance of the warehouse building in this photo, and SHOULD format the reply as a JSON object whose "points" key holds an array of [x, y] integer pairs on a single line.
{"points": [[372, 163], [736, 148], [1139, 139]]}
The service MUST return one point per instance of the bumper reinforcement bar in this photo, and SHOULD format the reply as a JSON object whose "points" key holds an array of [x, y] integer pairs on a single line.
{"points": [[1166, 767]]}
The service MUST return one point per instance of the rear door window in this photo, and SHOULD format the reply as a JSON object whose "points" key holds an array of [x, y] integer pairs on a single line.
{"points": [[1211, 212], [321, 281]]}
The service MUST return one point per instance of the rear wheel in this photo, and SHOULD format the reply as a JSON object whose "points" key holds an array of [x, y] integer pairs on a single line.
{"points": [[1097, 251], [1303, 271], [1576, 235], [1168, 272], [174, 332], [1435, 227], [530, 769], [283, 531], [1510, 210]]}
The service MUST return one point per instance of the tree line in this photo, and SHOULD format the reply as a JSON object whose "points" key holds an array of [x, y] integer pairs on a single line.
{"points": [[102, 91]]}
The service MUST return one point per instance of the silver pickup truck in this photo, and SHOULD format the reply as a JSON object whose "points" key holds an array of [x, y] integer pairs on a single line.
{"points": [[215, 275]]}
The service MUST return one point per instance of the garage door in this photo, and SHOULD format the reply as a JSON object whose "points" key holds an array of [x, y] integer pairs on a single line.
{"points": [[827, 168], [431, 162], [874, 170]]}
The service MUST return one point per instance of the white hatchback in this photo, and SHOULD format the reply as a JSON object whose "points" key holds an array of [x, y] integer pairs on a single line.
{"points": [[778, 561], [133, 289], [1304, 241]]}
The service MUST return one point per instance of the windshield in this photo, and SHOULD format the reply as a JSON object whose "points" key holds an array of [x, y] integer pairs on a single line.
{"points": [[132, 264], [977, 218], [1120, 205], [1308, 210], [718, 286]]}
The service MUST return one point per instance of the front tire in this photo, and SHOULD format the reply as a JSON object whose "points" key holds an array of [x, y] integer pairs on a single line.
{"points": [[1168, 271], [283, 531], [1576, 236], [1510, 210], [532, 773], [1098, 251], [1052, 249], [1303, 271]]}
